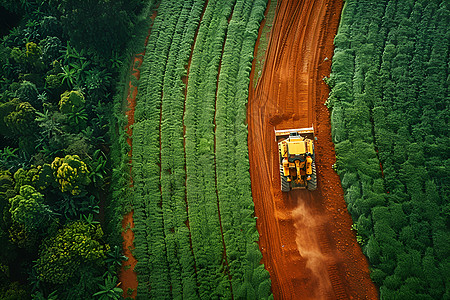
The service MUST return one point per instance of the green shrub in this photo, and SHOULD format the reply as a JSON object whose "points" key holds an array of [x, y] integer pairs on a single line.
{"points": [[5, 109], [28, 92], [71, 173], [25, 177], [71, 102], [28, 209], [75, 245], [21, 121]]}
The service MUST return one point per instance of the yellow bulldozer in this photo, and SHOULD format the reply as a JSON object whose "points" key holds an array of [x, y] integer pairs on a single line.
{"points": [[297, 158]]}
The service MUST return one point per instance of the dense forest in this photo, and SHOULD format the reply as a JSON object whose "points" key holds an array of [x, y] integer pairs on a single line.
{"points": [[389, 110], [60, 61]]}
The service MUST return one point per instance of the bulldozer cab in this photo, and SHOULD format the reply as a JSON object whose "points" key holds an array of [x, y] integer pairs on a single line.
{"points": [[297, 163]]}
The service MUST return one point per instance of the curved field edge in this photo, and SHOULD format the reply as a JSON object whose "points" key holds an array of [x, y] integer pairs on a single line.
{"points": [[157, 171], [389, 102], [263, 40], [249, 278], [120, 205]]}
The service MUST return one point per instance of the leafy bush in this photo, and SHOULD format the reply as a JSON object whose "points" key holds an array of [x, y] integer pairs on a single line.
{"points": [[25, 177], [5, 109], [71, 173], [51, 49], [50, 26], [71, 102], [28, 92], [21, 121], [28, 209], [77, 244]]}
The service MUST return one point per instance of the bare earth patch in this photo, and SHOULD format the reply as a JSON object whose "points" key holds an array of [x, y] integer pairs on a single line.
{"points": [[305, 237]]}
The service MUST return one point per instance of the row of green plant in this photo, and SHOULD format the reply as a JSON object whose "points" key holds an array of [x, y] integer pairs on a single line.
{"points": [[389, 113], [155, 251], [150, 252], [204, 216], [177, 198], [120, 196], [249, 278], [180, 257], [55, 93]]}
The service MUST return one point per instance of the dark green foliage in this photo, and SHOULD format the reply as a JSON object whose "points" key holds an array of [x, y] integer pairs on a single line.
{"points": [[28, 209], [389, 104], [28, 92], [51, 49], [13, 291], [38, 64], [99, 25], [29, 58], [50, 26], [97, 82], [77, 244], [109, 289], [51, 134]]}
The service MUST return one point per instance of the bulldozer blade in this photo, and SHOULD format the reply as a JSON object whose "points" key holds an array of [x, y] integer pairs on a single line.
{"points": [[287, 132]]}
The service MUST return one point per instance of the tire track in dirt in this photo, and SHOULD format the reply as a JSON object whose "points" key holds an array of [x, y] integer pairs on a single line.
{"points": [[305, 237]]}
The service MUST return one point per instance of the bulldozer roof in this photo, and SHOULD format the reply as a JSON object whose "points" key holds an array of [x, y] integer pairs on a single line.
{"points": [[296, 147]]}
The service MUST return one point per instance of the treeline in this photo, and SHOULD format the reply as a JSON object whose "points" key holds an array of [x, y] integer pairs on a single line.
{"points": [[56, 84], [182, 202], [389, 113]]}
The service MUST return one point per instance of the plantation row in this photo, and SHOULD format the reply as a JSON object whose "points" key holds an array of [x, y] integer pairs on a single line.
{"points": [[204, 216], [249, 278], [389, 103], [195, 233], [152, 266]]}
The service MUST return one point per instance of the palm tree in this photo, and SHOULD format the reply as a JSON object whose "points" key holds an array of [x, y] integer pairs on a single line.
{"points": [[69, 76], [115, 257], [109, 290]]}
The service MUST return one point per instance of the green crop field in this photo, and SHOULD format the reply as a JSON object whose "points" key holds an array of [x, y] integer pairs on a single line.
{"points": [[195, 231], [390, 108]]}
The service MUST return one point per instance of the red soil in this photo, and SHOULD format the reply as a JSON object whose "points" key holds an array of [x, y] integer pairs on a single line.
{"points": [[305, 237], [127, 275]]}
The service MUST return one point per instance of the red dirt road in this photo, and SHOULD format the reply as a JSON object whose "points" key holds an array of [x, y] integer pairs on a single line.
{"points": [[305, 237]]}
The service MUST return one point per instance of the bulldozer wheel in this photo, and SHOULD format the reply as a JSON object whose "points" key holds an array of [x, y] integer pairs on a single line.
{"points": [[312, 183], [284, 183]]}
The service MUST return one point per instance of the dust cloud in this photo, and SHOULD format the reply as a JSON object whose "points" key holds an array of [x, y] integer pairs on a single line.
{"points": [[307, 225]]}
